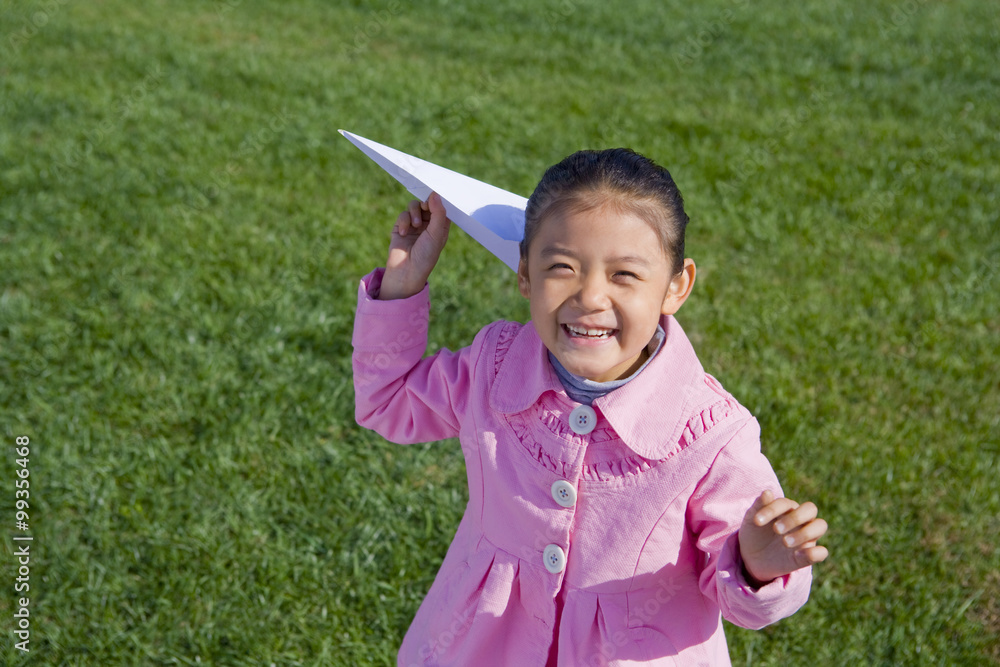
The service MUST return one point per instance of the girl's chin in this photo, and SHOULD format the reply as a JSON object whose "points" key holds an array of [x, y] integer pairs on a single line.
{"points": [[593, 365], [595, 373]]}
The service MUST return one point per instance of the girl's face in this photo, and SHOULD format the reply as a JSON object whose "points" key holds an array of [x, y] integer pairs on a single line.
{"points": [[598, 281]]}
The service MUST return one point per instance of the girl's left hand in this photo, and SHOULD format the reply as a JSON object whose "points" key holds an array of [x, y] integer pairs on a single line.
{"points": [[778, 536], [418, 238]]}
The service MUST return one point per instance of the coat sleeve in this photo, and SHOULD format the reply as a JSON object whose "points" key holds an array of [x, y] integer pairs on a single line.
{"points": [[738, 475], [402, 396]]}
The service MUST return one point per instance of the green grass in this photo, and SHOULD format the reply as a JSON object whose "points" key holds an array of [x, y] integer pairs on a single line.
{"points": [[182, 231]]}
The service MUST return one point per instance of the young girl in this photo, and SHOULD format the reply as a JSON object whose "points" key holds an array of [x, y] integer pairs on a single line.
{"points": [[619, 504]]}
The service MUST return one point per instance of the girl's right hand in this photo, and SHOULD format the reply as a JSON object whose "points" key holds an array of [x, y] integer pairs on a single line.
{"points": [[417, 240]]}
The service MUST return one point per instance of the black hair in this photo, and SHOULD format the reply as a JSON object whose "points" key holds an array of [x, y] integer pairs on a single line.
{"points": [[633, 183]]}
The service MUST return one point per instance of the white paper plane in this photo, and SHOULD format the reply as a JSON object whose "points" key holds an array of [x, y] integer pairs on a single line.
{"points": [[492, 216]]}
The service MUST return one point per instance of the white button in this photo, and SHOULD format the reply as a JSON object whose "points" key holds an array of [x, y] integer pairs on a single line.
{"points": [[554, 558], [563, 493], [583, 419]]}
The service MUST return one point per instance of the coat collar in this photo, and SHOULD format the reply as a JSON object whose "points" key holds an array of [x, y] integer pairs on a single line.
{"points": [[524, 374], [647, 413]]}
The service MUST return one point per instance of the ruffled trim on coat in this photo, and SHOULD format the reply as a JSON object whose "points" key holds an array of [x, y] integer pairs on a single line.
{"points": [[508, 332], [522, 429], [522, 424]]}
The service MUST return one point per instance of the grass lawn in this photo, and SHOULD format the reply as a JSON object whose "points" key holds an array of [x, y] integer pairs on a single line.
{"points": [[182, 231]]}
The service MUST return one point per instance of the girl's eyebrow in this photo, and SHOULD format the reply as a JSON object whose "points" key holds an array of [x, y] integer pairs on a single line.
{"points": [[553, 250], [629, 259]]}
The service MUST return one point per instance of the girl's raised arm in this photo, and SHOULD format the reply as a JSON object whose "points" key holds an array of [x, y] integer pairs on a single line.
{"points": [[398, 393]]}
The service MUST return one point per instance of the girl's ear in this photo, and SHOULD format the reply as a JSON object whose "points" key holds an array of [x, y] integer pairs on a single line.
{"points": [[679, 288], [522, 278]]}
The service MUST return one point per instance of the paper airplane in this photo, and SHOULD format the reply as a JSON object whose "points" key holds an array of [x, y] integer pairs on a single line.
{"points": [[492, 216]]}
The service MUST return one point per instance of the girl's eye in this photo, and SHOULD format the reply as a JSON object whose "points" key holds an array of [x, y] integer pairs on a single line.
{"points": [[556, 267], [628, 275]]}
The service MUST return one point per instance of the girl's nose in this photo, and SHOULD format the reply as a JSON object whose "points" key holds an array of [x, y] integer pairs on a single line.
{"points": [[594, 294]]}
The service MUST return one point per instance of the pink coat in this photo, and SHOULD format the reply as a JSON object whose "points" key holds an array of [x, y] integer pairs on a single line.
{"points": [[610, 546]]}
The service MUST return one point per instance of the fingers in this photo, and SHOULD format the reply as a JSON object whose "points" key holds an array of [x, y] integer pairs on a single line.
{"points": [[795, 517], [806, 535], [763, 500], [773, 508], [419, 214], [436, 215], [411, 218], [788, 544], [402, 225], [811, 555]]}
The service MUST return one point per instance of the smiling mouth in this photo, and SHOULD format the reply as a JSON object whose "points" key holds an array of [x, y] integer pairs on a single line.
{"points": [[588, 332]]}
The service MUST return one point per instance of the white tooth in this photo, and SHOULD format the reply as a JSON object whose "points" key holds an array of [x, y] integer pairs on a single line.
{"points": [[592, 333]]}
